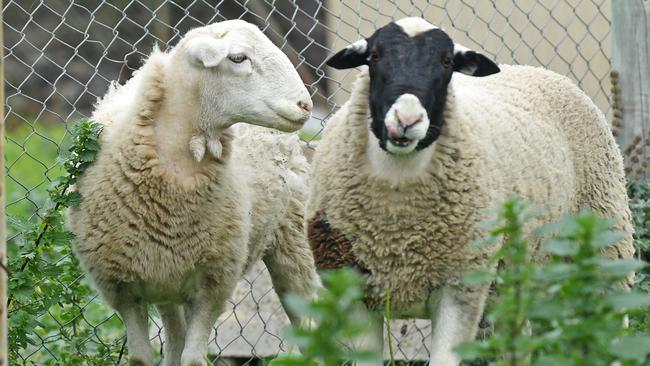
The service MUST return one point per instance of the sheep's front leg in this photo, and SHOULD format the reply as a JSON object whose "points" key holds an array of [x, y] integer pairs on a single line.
{"points": [[175, 328], [202, 312], [134, 315], [455, 320], [291, 266]]}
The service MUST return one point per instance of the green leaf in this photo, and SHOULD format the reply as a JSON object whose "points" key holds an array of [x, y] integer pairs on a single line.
{"points": [[72, 199], [547, 310], [63, 237], [292, 360], [364, 356], [470, 350], [561, 247], [92, 145], [634, 347], [477, 277], [628, 300], [555, 272], [621, 267], [607, 238], [19, 224], [87, 155]]}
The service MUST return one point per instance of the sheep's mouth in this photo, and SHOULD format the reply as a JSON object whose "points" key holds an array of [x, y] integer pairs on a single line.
{"points": [[294, 121], [401, 141], [288, 124]]}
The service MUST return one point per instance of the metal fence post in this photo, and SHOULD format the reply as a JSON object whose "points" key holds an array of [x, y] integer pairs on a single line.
{"points": [[3, 245], [631, 59]]}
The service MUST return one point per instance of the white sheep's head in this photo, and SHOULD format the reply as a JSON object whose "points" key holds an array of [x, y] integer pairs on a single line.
{"points": [[244, 77], [411, 63]]}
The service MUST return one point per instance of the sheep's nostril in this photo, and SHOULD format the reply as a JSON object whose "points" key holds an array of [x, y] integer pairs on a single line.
{"points": [[408, 121], [305, 106]]}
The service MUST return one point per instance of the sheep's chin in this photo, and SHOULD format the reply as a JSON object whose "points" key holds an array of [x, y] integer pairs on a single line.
{"points": [[287, 125], [401, 150], [277, 122]]}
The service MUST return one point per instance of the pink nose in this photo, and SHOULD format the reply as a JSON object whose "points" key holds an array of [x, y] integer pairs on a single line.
{"points": [[393, 132], [305, 106], [408, 121]]}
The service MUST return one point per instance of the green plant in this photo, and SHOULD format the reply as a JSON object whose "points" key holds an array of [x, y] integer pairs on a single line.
{"points": [[566, 311], [31, 151], [49, 307], [338, 319], [639, 193]]}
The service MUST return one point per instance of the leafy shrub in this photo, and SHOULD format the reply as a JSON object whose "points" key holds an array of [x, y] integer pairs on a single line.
{"points": [[639, 193], [338, 319], [49, 307], [567, 311]]}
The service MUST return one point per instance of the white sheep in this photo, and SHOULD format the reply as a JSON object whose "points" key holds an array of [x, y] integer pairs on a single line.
{"points": [[179, 204], [408, 166]]}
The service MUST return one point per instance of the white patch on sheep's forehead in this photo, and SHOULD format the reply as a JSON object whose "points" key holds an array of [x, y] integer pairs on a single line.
{"points": [[359, 46], [414, 25], [398, 168]]}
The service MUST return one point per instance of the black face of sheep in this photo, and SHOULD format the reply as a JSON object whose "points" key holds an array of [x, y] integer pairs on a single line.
{"points": [[410, 65]]}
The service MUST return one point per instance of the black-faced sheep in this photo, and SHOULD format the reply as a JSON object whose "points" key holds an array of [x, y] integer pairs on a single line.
{"points": [[408, 166], [179, 202]]}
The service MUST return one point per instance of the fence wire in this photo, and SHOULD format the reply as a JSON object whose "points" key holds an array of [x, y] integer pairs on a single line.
{"points": [[61, 55]]}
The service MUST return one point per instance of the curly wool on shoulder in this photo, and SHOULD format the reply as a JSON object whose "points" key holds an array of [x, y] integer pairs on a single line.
{"points": [[180, 202], [433, 135]]}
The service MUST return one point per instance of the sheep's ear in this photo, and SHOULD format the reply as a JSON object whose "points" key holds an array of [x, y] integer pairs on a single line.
{"points": [[351, 56], [207, 51], [473, 63]]}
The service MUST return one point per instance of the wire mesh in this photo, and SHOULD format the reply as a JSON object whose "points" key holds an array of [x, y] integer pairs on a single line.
{"points": [[61, 55]]}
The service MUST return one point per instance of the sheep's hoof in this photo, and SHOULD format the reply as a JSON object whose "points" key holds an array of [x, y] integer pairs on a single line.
{"points": [[139, 361]]}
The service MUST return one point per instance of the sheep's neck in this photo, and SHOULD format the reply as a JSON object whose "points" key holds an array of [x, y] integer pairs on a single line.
{"points": [[174, 128]]}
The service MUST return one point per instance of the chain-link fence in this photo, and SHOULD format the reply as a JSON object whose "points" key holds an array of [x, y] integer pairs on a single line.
{"points": [[61, 55]]}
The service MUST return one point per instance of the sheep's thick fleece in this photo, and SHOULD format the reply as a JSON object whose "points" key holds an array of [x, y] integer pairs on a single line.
{"points": [[524, 131], [143, 226]]}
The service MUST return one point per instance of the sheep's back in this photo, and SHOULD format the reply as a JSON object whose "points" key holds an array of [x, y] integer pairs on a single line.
{"points": [[519, 128], [550, 142]]}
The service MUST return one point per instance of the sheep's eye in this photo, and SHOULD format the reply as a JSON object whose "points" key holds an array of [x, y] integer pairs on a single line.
{"points": [[238, 58], [446, 62], [374, 56]]}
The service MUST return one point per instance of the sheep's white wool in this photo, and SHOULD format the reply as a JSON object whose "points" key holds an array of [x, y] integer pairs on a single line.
{"points": [[414, 25], [524, 131], [180, 202], [397, 168]]}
